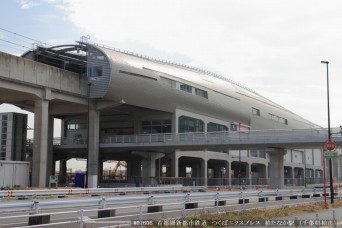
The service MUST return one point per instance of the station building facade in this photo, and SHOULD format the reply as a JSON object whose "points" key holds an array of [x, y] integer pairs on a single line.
{"points": [[130, 94], [13, 136]]}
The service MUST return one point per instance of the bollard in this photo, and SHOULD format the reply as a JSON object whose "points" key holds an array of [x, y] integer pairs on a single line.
{"points": [[220, 203], [243, 201], [263, 199], [39, 219], [154, 208], [81, 218], [277, 198], [191, 205], [106, 213]]}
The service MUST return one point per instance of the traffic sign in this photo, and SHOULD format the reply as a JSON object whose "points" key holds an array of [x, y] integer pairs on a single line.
{"points": [[330, 145], [330, 154]]}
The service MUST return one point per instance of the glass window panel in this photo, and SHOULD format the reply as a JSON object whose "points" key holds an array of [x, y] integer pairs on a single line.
{"points": [[188, 124], [71, 126], [156, 122], [96, 71], [254, 153], [167, 122], [186, 88], [146, 130], [167, 129], [82, 126], [256, 111], [212, 127], [156, 129], [201, 93], [262, 154], [146, 123]]}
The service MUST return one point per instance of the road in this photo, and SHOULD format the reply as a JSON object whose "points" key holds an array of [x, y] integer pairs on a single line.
{"points": [[126, 215]]}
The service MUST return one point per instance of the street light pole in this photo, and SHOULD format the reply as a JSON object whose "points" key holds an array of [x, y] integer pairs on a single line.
{"points": [[239, 168], [329, 135], [88, 120], [304, 169], [223, 172]]}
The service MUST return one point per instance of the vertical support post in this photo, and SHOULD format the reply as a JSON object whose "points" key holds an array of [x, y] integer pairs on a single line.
{"points": [[81, 218], [204, 171], [93, 147], [174, 165], [329, 136], [40, 146], [276, 166], [140, 213], [49, 157], [250, 179]]}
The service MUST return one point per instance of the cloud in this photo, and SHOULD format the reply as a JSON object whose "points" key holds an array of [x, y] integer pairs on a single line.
{"points": [[28, 4], [274, 47]]}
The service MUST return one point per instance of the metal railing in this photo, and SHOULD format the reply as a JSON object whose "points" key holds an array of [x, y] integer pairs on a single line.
{"points": [[76, 191], [253, 137], [231, 136], [212, 202], [40, 204]]}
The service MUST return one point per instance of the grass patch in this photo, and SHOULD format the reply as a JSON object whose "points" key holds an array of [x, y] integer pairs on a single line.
{"points": [[269, 213]]}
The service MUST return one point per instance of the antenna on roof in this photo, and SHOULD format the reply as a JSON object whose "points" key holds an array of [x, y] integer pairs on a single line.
{"points": [[84, 39]]}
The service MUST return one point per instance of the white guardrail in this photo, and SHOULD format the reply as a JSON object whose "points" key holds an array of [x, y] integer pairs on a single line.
{"points": [[76, 191], [177, 205], [36, 204]]}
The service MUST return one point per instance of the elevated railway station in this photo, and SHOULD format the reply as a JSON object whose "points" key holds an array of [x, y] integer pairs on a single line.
{"points": [[162, 119]]}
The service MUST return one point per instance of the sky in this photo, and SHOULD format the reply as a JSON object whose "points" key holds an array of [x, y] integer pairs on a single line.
{"points": [[274, 47]]}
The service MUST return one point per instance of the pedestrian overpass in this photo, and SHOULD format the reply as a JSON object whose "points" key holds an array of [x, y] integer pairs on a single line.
{"points": [[254, 139]]}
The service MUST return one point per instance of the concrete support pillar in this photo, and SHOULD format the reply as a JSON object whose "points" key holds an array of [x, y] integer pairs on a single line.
{"points": [[40, 146], [174, 165], [50, 166], [93, 147], [204, 172], [229, 182], [276, 172], [249, 173]]}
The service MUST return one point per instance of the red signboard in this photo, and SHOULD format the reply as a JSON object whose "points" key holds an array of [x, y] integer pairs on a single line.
{"points": [[330, 145]]}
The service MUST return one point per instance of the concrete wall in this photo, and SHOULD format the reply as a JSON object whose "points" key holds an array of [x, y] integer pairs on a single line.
{"points": [[37, 74]]}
